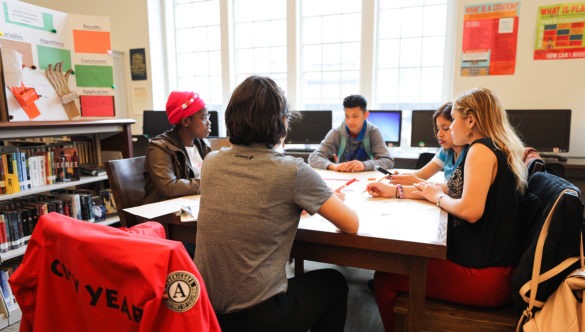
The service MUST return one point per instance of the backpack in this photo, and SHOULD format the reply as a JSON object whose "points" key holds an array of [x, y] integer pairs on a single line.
{"points": [[563, 237], [343, 143]]}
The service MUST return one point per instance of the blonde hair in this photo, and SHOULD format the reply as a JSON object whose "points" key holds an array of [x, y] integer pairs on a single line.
{"points": [[492, 121]]}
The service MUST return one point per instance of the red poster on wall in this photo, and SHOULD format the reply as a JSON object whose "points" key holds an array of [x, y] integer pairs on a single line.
{"points": [[490, 35]]}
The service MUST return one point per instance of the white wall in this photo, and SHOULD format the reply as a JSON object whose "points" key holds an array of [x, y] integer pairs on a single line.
{"points": [[536, 83]]}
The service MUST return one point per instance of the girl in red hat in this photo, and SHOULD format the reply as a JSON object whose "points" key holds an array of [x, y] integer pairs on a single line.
{"points": [[174, 158]]}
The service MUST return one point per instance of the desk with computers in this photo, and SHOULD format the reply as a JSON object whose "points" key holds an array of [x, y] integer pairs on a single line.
{"points": [[547, 130]]}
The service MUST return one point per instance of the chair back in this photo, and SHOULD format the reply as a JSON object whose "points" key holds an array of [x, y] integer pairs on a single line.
{"points": [[126, 178], [423, 159], [79, 276], [139, 145]]}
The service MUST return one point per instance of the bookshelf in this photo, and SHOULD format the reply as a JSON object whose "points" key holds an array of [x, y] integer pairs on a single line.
{"points": [[107, 135]]}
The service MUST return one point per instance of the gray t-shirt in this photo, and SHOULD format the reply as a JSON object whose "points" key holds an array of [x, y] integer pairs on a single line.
{"points": [[251, 201], [320, 158]]}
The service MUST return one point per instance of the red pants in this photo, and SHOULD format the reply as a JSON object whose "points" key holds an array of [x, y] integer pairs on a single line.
{"points": [[487, 287]]}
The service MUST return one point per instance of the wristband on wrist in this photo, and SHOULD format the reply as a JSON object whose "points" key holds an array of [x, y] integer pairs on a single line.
{"points": [[439, 200], [399, 191]]}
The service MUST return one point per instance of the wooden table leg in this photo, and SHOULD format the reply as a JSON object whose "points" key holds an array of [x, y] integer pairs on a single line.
{"points": [[417, 291]]}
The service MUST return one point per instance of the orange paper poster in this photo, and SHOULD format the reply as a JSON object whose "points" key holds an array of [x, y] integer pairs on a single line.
{"points": [[559, 32], [97, 42], [490, 35]]}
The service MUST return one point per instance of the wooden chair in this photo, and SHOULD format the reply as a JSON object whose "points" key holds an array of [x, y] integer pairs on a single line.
{"points": [[126, 177]]}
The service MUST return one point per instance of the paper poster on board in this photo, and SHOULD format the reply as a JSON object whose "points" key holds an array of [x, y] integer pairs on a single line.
{"points": [[490, 35], [559, 32], [50, 59]]}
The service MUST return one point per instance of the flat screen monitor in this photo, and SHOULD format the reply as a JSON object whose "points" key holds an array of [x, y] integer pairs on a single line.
{"points": [[156, 122], [311, 128], [214, 118], [423, 129], [389, 123], [546, 130]]}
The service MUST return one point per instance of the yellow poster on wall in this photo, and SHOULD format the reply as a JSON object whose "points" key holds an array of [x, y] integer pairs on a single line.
{"points": [[559, 32]]}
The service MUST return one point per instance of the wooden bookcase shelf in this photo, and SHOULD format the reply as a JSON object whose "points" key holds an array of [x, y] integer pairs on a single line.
{"points": [[111, 134]]}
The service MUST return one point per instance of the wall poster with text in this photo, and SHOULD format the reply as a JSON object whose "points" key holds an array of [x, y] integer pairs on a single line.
{"points": [[56, 66], [490, 35], [559, 32]]}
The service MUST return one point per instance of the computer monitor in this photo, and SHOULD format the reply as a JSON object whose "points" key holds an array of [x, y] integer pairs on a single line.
{"points": [[546, 130], [422, 132], [311, 128], [389, 123], [156, 122], [214, 118]]}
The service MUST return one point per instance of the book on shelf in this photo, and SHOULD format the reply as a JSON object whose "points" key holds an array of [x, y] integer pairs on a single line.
{"points": [[4, 245], [67, 163], [7, 296], [108, 200], [11, 173], [2, 178]]}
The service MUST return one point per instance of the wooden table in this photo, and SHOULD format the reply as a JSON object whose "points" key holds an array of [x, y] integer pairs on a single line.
{"points": [[395, 236]]}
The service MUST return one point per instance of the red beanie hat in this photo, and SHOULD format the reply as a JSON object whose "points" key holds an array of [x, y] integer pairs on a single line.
{"points": [[182, 104]]}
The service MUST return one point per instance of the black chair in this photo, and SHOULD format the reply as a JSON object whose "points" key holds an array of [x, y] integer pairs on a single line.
{"points": [[424, 159], [139, 145]]}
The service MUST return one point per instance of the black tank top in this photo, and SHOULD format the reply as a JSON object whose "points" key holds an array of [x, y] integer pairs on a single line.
{"points": [[493, 240]]}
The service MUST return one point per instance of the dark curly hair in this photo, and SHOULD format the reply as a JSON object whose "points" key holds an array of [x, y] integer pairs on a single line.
{"points": [[355, 101], [256, 113]]}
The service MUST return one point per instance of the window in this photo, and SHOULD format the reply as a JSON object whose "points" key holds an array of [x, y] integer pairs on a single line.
{"points": [[391, 51], [260, 39], [410, 52], [330, 51], [197, 44], [410, 56]]}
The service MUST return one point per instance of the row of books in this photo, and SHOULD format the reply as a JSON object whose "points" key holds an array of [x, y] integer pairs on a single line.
{"points": [[18, 217], [23, 168]]}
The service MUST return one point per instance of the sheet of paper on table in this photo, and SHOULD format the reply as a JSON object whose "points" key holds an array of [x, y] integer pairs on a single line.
{"points": [[188, 206]]}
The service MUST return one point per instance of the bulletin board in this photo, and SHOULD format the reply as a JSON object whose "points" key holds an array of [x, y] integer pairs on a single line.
{"points": [[55, 65]]}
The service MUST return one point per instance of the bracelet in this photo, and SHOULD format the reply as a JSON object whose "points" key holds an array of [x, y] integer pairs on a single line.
{"points": [[399, 191], [439, 200]]}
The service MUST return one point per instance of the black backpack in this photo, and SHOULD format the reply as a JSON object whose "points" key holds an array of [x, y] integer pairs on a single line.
{"points": [[564, 233]]}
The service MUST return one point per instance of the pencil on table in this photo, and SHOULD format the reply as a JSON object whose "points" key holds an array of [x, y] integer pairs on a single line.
{"points": [[345, 185]]}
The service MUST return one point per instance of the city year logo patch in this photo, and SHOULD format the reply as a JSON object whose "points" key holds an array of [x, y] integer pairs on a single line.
{"points": [[182, 290]]}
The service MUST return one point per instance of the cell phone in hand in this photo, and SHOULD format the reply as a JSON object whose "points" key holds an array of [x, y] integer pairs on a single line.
{"points": [[383, 170]]}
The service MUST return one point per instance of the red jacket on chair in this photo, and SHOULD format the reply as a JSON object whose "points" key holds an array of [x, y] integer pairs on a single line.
{"points": [[77, 276]]}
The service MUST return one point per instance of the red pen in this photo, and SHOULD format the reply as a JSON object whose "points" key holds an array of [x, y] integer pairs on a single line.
{"points": [[345, 185]]}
